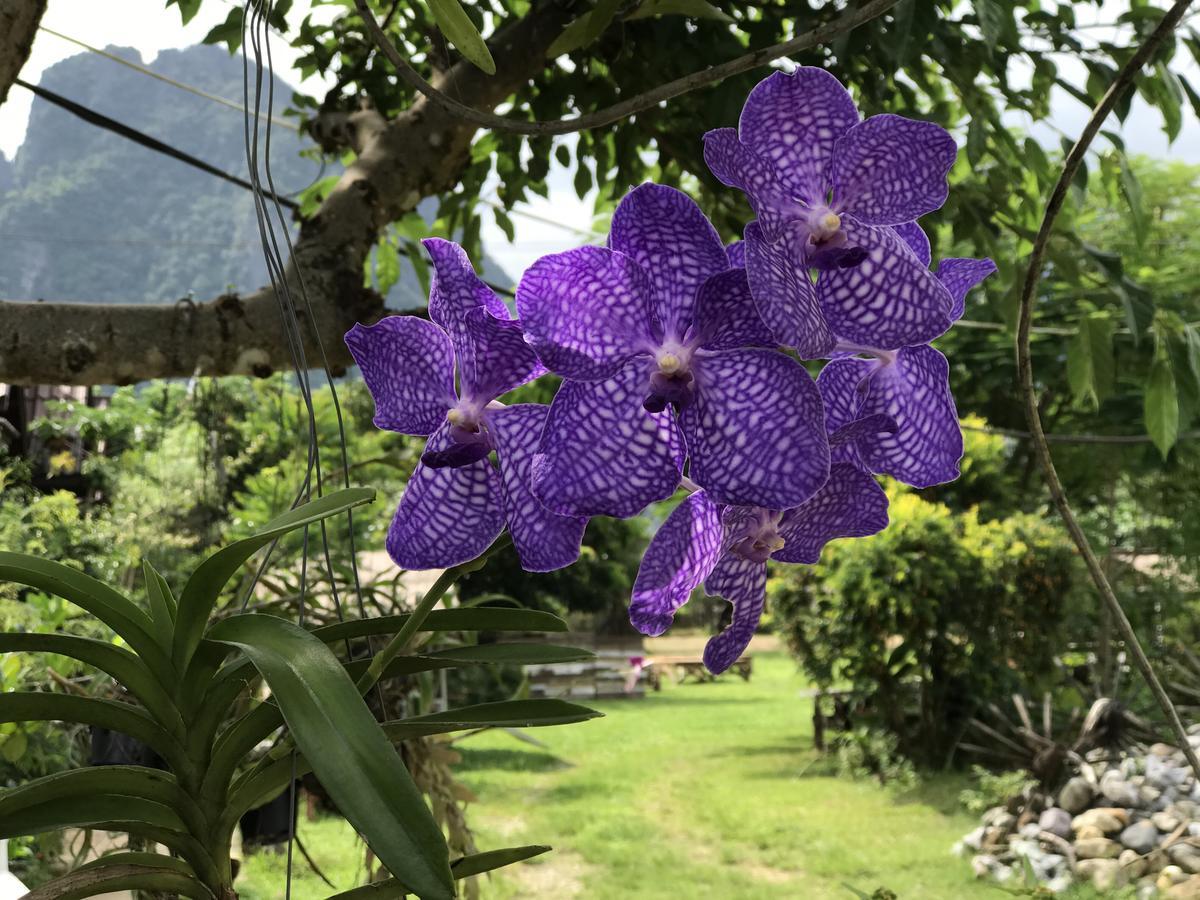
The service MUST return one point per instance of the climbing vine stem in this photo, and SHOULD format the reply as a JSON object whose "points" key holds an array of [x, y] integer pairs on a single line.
{"points": [[1122, 83]]}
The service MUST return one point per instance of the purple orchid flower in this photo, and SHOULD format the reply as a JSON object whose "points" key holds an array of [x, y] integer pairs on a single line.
{"points": [[827, 189], [658, 319], [909, 384], [456, 504], [727, 547]]}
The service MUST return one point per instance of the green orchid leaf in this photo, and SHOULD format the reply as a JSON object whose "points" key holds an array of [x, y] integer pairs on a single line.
{"points": [[112, 608], [162, 605], [534, 713], [121, 664], [479, 618], [150, 785], [463, 867], [200, 594], [43, 706], [91, 880], [349, 753]]}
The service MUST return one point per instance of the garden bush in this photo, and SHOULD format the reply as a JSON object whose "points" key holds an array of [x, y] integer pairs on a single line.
{"points": [[932, 618]]}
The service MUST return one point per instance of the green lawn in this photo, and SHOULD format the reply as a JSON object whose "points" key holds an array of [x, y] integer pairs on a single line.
{"points": [[701, 791]]}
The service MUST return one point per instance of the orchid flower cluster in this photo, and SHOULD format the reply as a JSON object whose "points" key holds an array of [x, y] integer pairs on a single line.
{"points": [[679, 359]]}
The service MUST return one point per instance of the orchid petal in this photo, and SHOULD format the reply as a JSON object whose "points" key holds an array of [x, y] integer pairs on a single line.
{"points": [[670, 237], [495, 356], [784, 293], [455, 290], [889, 299], [544, 540], [795, 121], [743, 583], [889, 170], [736, 254], [914, 236], [849, 504], [446, 516], [756, 430], [841, 385], [587, 312], [959, 276], [927, 445], [602, 453], [867, 426], [680, 556], [408, 366], [736, 165], [726, 317]]}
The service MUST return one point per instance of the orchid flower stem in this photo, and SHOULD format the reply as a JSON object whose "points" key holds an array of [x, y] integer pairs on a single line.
{"points": [[399, 642], [1122, 83]]}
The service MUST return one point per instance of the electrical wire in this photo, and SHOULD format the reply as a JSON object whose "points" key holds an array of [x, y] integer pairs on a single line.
{"points": [[141, 138]]}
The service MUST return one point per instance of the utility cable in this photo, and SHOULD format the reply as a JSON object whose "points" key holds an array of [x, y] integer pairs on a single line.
{"points": [[141, 138]]}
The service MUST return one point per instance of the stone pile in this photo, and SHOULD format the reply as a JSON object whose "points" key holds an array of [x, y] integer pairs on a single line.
{"points": [[1129, 821]]}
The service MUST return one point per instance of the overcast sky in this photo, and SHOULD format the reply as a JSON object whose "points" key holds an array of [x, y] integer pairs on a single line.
{"points": [[149, 27]]}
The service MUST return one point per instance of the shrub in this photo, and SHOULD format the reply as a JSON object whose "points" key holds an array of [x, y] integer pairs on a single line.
{"points": [[932, 618]]}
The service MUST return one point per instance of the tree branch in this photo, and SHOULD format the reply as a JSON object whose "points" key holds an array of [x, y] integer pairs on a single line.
{"points": [[1123, 82], [18, 24], [421, 152], [753, 60]]}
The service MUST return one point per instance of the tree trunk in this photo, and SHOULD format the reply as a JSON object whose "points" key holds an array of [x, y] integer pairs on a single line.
{"points": [[18, 24]]}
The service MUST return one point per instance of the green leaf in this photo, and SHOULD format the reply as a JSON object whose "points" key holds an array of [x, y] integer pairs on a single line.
{"points": [[1136, 300], [94, 879], [109, 606], [187, 8], [1090, 364], [453, 21], [387, 266], [534, 713], [135, 782], [247, 732], [976, 140], [479, 618], [200, 594], [463, 867], [693, 9], [347, 749], [118, 662], [1131, 190], [1192, 337], [585, 29], [1162, 405], [43, 706], [228, 32], [995, 21], [133, 857], [528, 654], [14, 746], [162, 605], [123, 813]]}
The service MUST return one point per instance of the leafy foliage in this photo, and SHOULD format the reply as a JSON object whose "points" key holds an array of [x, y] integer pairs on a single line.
{"points": [[187, 675], [930, 619]]}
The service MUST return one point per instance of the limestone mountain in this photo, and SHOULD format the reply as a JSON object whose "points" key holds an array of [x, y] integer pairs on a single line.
{"points": [[86, 215]]}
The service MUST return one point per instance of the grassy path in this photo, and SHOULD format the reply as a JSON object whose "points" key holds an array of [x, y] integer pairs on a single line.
{"points": [[707, 791], [704, 791]]}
